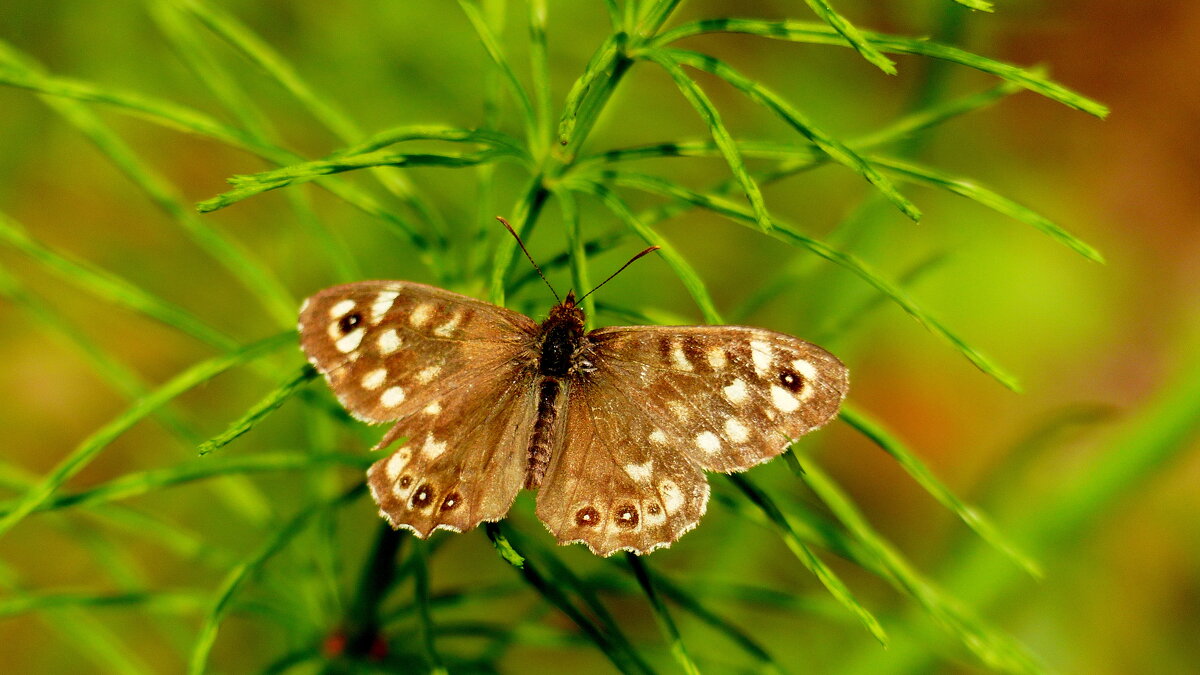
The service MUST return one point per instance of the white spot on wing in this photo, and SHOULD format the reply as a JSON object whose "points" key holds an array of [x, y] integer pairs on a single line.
{"points": [[396, 463], [716, 358], [392, 397], [447, 329], [433, 408], [736, 392], [680, 410], [374, 379], [427, 374], [640, 472], [389, 341], [761, 354], [433, 447], [341, 309], [679, 359], [708, 442], [736, 431], [421, 314], [672, 496], [657, 436], [351, 340], [783, 400], [383, 302], [805, 368], [652, 518]]}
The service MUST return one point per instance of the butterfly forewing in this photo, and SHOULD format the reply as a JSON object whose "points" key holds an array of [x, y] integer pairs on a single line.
{"points": [[729, 397], [387, 347], [456, 375], [657, 405]]}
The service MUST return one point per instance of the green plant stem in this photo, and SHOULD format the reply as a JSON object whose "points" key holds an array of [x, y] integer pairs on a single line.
{"points": [[374, 583]]}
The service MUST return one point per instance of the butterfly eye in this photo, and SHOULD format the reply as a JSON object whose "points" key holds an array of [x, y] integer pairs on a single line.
{"points": [[348, 322], [791, 380]]}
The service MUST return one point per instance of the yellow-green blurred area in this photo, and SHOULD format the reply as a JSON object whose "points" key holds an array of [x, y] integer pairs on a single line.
{"points": [[1092, 470]]}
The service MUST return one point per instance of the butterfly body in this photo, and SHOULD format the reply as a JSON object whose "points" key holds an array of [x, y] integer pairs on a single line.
{"points": [[615, 427]]}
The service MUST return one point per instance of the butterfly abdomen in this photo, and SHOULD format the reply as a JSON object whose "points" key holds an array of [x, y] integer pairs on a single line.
{"points": [[543, 428]]}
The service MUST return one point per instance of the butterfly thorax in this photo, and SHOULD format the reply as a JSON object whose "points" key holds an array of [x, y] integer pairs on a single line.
{"points": [[562, 334]]}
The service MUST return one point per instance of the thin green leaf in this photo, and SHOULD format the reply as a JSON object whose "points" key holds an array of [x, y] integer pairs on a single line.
{"points": [[91, 447], [496, 54], [539, 67], [974, 191], [254, 184], [524, 216], [981, 5], [577, 251], [624, 661], [172, 602], [824, 574], [997, 650], [223, 598], [976, 520], [852, 35], [836, 150], [260, 410], [721, 136], [421, 590], [784, 232], [801, 31], [662, 616], [108, 286], [688, 276], [604, 59], [144, 482]]}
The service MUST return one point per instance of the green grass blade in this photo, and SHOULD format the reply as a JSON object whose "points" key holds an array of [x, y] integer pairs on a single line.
{"points": [[689, 603], [760, 94], [712, 119], [997, 650], [496, 54], [577, 251], [185, 37], [427, 628], [687, 275], [852, 35], [832, 583], [972, 517], [989, 198], [223, 598], [524, 216], [144, 482], [168, 601], [241, 496], [603, 60], [260, 410], [813, 33], [251, 185], [981, 5], [82, 455], [109, 287], [784, 232], [662, 616], [539, 68], [624, 661]]}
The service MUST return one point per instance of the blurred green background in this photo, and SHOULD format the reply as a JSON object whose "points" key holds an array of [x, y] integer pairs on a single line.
{"points": [[1093, 469]]}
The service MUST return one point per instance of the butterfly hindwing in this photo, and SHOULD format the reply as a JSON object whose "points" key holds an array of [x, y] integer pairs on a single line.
{"points": [[655, 406]]}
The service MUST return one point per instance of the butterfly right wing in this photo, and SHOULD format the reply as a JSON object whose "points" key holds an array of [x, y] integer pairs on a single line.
{"points": [[453, 372]]}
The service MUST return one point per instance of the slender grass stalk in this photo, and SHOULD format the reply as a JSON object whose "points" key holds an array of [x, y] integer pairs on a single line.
{"points": [[94, 444], [661, 615]]}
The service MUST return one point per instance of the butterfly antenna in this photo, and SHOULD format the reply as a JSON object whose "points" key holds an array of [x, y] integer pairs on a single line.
{"points": [[531, 262], [610, 277]]}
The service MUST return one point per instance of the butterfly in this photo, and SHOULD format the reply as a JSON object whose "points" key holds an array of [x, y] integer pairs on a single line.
{"points": [[615, 427]]}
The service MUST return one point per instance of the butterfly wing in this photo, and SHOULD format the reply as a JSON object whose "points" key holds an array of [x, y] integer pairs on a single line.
{"points": [[456, 375], [661, 403]]}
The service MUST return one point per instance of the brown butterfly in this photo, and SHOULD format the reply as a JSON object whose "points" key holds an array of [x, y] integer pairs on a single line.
{"points": [[615, 426]]}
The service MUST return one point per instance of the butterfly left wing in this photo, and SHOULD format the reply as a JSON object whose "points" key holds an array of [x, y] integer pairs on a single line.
{"points": [[454, 373], [657, 405]]}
